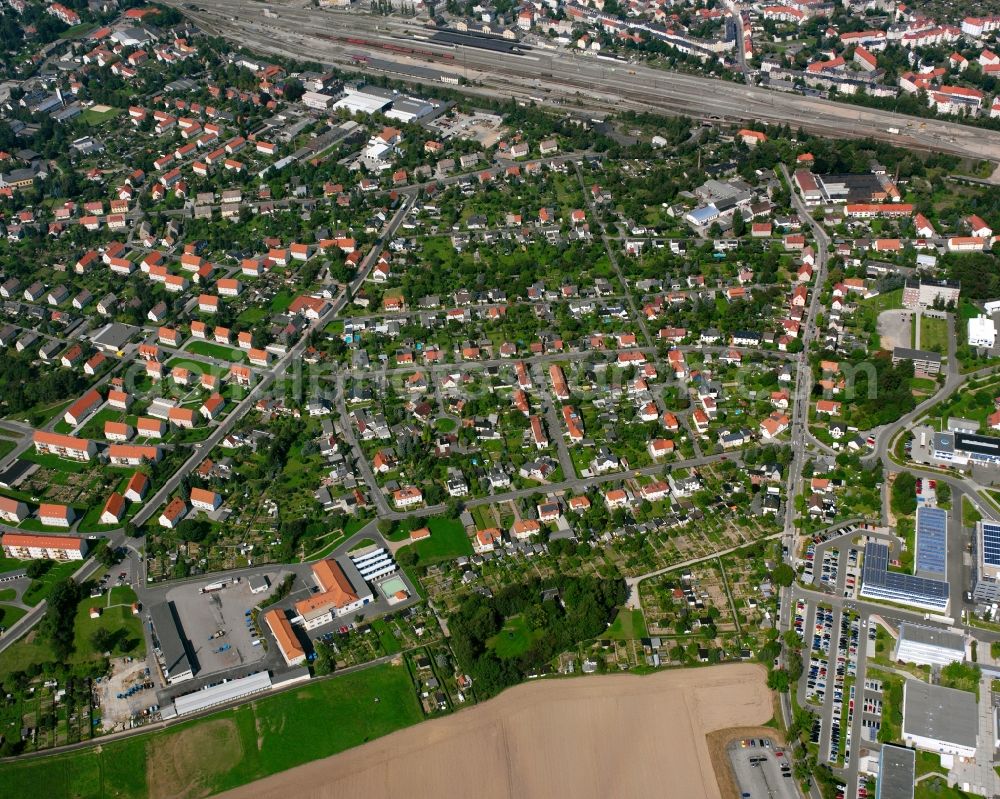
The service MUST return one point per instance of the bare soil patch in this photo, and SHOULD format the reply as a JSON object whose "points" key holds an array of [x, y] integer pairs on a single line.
{"points": [[612, 735]]}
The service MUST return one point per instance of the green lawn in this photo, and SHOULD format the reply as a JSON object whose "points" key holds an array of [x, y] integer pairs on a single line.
{"points": [[43, 412], [445, 424], [118, 620], [55, 462], [928, 762], [9, 614], [923, 384], [78, 30], [937, 788], [91, 521], [890, 301], [934, 334], [7, 594], [94, 428], [281, 302], [230, 748], [448, 540], [970, 514], [219, 351], [12, 564], [330, 544], [892, 705], [27, 650], [92, 117], [961, 677], [514, 639], [390, 644], [628, 624], [252, 315], [39, 589]]}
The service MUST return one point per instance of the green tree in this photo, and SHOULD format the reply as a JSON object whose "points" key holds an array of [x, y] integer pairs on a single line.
{"points": [[904, 494], [102, 640], [36, 568], [783, 575]]}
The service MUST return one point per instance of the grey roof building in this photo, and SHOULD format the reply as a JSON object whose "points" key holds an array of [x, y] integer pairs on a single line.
{"points": [[929, 645], [173, 648], [896, 772], [937, 719]]}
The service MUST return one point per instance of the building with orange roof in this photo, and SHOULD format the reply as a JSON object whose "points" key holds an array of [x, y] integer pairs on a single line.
{"points": [[149, 427], [83, 407], [119, 400], [53, 515], [24, 546], [182, 417], [137, 487], [524, 529], [288, 643], [241, 374], [79, 449], [133, 454], [420, 534], [213, 406], [114, 509], [616, 498], [118, 431], [407, 496], [13, 510], [338, 594], [486, 540], [559, 385], [203, 499], [579, 503], [829, 407], [172, 515]]}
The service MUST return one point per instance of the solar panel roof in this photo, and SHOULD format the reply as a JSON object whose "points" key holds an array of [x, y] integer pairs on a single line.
{"points": [[875, 574], [991, 544], [932, 540]]}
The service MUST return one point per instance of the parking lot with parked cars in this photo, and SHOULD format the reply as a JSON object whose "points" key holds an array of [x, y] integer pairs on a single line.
{"points": [[762, 769], [817, 674], [831, 637]]}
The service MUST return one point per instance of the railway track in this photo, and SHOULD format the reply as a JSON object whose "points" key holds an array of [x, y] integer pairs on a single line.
{"points": [[570, 83]]}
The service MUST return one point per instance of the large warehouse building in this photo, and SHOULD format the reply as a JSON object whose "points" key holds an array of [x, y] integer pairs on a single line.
{"points": [[171, 645], [223, 693], [929, 646], [942, 720], [364, 100]]}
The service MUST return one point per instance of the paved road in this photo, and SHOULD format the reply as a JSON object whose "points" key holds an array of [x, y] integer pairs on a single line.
{"points": [[803, 378]]}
